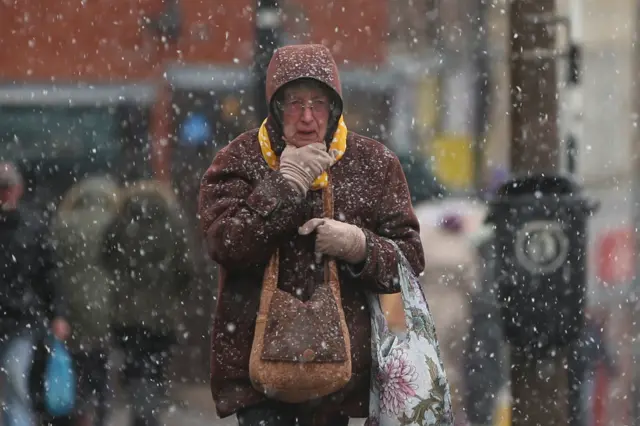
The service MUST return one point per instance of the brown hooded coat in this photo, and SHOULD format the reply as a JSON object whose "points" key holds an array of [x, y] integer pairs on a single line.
{"points": [[248, 211]]}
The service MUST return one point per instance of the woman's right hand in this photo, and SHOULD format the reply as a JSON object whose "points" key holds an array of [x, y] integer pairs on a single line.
{"points": [[301, 166]]}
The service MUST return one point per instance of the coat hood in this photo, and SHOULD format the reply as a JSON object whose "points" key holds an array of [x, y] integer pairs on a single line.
{"points": [[149, 220], [84, 212], [294, 62], [91, 192], [149, 199], [302, 61]]}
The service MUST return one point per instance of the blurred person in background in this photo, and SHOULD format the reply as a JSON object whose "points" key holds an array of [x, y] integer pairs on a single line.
{"points": [[450, 279], [487, 391], [30, 301], [485, 365], [146, 253], [77, 230]]}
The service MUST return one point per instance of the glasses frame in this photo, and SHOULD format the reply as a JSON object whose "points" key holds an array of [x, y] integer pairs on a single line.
{"points": [[312, 104]]}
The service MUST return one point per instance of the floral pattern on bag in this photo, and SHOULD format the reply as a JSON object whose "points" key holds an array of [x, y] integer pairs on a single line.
{"points": [[409, 385], [436, 404], [400, 379]]}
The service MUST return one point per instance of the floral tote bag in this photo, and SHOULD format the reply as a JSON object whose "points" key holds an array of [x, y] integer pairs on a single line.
{"points": [[408, 385]]}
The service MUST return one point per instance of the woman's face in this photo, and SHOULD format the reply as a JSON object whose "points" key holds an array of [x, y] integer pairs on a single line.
{"points": [[305, 115]]}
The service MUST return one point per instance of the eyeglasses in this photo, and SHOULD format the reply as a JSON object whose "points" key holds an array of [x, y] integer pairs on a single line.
{"points": [[296, 107]]}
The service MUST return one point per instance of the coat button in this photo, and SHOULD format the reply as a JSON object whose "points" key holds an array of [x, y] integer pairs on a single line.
{"points": [[308, 355]]}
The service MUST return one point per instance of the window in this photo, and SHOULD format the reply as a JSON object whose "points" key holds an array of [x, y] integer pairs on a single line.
{"points": [[210, 118], [35, 133], [376, 114], [204, 122], [56, 146], [368, 112]]}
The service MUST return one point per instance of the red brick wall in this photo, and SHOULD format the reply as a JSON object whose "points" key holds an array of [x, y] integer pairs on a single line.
{"points": [[101, 41]]}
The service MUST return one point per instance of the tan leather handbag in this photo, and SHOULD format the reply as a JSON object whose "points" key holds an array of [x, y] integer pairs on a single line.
{"points": [[301, 350]]}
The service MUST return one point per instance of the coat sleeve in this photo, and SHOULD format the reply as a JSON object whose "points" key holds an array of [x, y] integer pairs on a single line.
{"points": [[243, 221], [396, 221]]}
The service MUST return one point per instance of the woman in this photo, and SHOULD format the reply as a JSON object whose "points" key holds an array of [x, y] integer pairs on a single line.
{"points": [[264, 192]]}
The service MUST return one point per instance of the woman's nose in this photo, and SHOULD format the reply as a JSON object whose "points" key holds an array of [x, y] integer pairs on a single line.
{"points": [[307, 115]]}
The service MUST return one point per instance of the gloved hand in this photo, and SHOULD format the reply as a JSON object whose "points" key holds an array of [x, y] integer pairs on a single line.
{"points": [[301, 166], [337, 239]]}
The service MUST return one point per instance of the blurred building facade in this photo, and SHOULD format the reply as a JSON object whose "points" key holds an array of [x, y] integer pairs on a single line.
{"points": [[154, 88]]}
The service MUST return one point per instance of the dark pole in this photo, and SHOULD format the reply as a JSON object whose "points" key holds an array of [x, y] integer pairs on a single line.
{"points": [[267, 41], [482, 98], [540, 387], [535, 141]]}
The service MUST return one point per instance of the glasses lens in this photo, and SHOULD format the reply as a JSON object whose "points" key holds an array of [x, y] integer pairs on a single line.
{"points": [[318, 107], [293, 108]]}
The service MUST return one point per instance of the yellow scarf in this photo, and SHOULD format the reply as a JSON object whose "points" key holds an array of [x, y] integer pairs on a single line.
{"points": [[338, 144]]}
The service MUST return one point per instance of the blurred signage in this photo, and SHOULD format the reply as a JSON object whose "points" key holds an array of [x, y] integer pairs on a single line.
{"points": [[452, 158], [195, 130], [615, 256]]}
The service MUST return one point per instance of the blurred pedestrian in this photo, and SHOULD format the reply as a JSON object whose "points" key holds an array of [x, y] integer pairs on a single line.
{"points": [[146, 253], [30, 301], [77, 229], [450, 279], [486, 352], [264, 194]]}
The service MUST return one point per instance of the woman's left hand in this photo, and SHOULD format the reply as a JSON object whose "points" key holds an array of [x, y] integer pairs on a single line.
{"points": [[337, 239]]}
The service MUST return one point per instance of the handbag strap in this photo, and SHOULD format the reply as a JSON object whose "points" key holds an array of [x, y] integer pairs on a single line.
{"points": [[330, 267], [270, 279], [327, 198]]}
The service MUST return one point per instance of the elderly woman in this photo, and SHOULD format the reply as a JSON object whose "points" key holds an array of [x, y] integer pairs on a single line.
{"points": [[264, 193]]}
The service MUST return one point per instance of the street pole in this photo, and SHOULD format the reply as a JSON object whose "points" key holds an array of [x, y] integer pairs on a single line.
{"points": [[539, 386], [268, 24], [634, 296], [482, 95], [535, 141]]}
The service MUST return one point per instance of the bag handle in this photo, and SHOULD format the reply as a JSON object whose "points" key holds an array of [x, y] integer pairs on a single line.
{"points": [[327, 198], [271, 274], [330, 267]]}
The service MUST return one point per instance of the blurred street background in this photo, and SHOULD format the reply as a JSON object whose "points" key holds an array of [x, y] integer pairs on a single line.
{"points": [[154, 88]]}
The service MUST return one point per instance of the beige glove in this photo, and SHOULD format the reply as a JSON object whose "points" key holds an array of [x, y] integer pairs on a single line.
{"points": [[301, 166], [337, 239]]}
